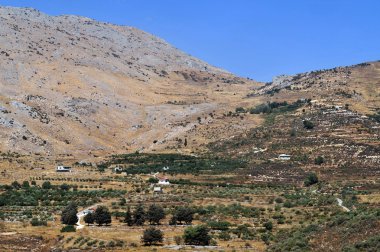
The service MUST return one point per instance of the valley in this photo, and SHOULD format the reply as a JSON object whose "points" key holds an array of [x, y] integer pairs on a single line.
{"points": [[169, 153]]}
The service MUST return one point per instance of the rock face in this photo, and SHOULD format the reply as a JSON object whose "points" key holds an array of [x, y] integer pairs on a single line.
{"points": [[282, 81], [70, 84]]}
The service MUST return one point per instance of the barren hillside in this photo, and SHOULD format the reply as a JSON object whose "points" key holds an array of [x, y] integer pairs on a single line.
{"points": [[70, 84]]}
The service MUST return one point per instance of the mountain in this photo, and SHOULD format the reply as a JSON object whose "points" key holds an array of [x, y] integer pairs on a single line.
{"points": [[358, 86], [72, 85]]}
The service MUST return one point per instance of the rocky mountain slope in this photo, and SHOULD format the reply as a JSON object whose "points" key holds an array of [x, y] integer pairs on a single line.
{"points": [[70, 84]]}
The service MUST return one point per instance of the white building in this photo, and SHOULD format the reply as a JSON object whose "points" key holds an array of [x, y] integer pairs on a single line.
{"points": [[61, 168], [284, 157], [157, 189], [118, 169], [163, 181]]}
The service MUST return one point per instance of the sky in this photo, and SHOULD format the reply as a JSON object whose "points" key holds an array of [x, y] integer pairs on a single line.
{"points": [[258, 39]]}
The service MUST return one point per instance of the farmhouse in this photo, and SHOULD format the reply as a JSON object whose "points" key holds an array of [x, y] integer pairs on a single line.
{"points": [[163, 181], [61, 168], [284, 157]]}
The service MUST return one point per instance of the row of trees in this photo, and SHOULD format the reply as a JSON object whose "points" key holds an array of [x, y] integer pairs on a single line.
{"points": [[197, 235], [155, 214], [101, 216]]}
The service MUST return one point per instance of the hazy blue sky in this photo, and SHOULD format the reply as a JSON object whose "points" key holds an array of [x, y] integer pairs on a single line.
{"points": [[257, 39]]}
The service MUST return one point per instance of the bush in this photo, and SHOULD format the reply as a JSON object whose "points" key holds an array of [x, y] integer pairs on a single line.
{"points": [[268, 225], [152, 236], [219, 225], [308, 124], [153, 180], [240, 110], [311, 179], [225, 236], [37, 222], [319, 160], [198, 235], [46, 185], [265, 238], [68, 228]]}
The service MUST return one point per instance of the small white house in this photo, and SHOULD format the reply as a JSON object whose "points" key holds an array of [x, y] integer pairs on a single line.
{"points": [[118, 169], [166, 168], [157, 189], [163, 181], [87, 211], [61, 168], [284, 157]]}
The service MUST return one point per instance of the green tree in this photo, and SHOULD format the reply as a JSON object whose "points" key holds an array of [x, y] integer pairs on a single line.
{"points": [[182, 214], [128, 217], [102, 215], [198, 235], [152, 236], [122, 202], [153, 180], [89, 218], [16, 185], [311, 179], [154, 214], [25, 184], [69, 215], [46, 185], [65, 187], [268, 225], [139, 215], [68, 228]]}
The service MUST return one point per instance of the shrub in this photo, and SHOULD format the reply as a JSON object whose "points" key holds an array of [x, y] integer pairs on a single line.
{"points": [[68, 228], [219, 225], [240, 110], [198, 235], [308, 124], [225, 236], [311, 179], [37, 222], [25, 184], [268, 225], [153, 180], [46, 185], [319, 160], [152, 236]]}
